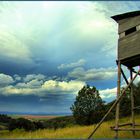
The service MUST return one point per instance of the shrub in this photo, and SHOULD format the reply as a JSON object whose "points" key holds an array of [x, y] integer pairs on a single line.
{"points": [[21, 123], [59, 122], [4, 118], [39, 125]]}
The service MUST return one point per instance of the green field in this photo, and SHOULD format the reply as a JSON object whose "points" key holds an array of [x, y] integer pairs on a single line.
{"points": [[73, 132]]}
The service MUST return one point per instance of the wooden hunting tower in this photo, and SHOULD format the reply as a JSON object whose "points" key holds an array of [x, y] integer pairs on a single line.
{"points": [[129, 38], [129, 56]]}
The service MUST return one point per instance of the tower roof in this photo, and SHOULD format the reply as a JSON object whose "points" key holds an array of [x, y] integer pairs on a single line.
{"points": [[126, 15]]}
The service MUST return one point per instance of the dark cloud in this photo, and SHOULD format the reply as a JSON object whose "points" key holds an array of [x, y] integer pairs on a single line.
{"points": [[36, 39], [5, 80], [93, 74]]}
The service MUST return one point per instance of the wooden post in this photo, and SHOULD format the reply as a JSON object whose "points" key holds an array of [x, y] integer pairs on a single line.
{"points": [[132, 103], [118, 94]]}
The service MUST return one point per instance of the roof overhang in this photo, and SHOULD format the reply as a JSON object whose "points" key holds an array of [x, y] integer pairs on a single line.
{"points": [[126, 15]]}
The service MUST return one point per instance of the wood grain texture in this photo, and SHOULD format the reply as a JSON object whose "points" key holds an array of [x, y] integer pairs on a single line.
{"points": [[129, 46], [128, 23]]}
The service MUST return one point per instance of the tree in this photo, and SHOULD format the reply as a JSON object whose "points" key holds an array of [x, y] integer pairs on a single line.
{"points": [[88, 107], [125, 103], [137, 95]]}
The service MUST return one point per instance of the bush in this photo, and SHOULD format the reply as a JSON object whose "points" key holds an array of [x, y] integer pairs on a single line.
{"points": [[39, 125], [21, 123], [59, 122], [4, 118]]}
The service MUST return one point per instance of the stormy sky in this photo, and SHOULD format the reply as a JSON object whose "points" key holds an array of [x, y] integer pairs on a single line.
{"points": [[50, 50]]}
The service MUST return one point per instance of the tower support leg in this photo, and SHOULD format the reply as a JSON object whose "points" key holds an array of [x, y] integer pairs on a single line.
{"points": [[132, 102], [118, 94]]}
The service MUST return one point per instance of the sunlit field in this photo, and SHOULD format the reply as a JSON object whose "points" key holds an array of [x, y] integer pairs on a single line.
{"points": [[34, 117], [73, 132]]}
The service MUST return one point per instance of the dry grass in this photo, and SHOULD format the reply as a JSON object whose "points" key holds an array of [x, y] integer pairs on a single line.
{"points": [[73, 132]]}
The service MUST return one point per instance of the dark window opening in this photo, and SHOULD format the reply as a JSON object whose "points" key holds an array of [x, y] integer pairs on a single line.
{"points": [[131, 30]]}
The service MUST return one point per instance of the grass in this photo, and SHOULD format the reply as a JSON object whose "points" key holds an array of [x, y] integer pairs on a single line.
{"points": [[73, 132]]}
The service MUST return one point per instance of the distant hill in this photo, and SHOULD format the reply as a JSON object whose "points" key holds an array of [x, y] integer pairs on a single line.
{"points": [[38, 113]]}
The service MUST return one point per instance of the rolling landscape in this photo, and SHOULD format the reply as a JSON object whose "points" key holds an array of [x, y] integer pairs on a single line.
{"points": [[74, 131]]}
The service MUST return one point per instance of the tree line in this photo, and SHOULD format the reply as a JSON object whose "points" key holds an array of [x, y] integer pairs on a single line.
{"points": [[20, 123]]}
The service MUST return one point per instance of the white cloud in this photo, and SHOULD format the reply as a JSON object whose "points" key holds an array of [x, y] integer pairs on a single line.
{"points": [[40, 87], [137, 80], [92, 74], [31, 84], [9, 90], [13, 49], [57, 86], [34, 76], [83, 20], [17, 77], [79, 63], [5, 80], [108, 93], [36, 84]]}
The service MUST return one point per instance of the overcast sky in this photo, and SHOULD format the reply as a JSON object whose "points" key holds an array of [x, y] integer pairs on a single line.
{"points": [[50, 50]]}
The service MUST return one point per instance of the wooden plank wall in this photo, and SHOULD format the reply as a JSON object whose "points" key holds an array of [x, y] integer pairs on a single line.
{"points": [[129, 46], [128, 23]]}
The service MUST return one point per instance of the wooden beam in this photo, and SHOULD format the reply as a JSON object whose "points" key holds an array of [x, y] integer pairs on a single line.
{"points": [[125, 124], [137, 107], [127, 129], [135, 71], [112, 107], [137, 124], [124, 77], [120, 125]]}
